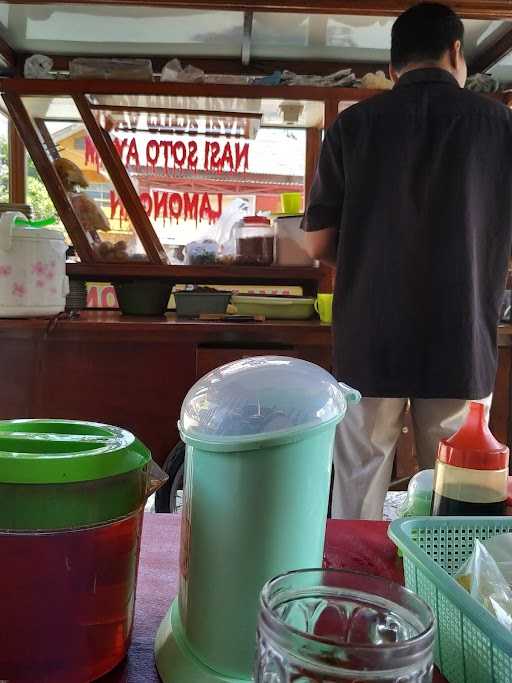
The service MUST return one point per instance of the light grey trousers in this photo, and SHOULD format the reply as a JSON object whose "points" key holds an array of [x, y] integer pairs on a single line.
{"points": [[366, 442]]}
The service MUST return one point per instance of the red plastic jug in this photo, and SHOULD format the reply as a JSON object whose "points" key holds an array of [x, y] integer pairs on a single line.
{"points": [[471, 473]]}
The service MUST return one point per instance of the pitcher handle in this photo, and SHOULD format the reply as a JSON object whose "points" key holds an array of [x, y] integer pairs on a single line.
{"points": [[6, 226], [351, 395], [157, 478]]}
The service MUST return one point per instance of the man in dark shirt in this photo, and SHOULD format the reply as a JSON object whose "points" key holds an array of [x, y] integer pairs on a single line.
{"points": [[412, 204]]}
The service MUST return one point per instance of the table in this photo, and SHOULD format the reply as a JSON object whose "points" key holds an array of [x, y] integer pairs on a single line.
{"points": [[357, 545]]}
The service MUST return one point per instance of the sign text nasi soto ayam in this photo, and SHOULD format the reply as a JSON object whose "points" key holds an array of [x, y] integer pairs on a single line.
{"points": [[168, 155]]}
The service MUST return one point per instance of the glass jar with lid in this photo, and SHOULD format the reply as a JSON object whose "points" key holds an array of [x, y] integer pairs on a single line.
{"points": [[255, 241]]}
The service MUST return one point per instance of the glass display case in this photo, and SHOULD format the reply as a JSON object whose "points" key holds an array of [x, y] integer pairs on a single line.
{"points": [[149, 177]]}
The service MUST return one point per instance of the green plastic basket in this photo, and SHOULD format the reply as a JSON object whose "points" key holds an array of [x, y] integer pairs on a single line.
{"points": [[471, 645]]}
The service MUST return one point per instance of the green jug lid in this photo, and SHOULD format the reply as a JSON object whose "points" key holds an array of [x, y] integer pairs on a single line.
{"points": [[63, 451]]}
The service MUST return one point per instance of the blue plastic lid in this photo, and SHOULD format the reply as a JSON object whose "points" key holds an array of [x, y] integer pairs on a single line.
{"points": [[262, 397]]}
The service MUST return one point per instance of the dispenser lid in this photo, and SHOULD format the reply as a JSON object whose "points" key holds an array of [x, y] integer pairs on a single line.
{"points": [[63, 451], [22, 227], [474, 446], [422, 482], [262, 397]]}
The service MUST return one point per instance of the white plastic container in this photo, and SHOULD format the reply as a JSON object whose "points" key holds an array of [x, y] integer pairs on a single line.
{"points": [[33, 279], [291, 250]]}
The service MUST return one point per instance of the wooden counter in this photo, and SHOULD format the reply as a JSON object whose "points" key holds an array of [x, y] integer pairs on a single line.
{"points": [[135, 372], [132, 372]]}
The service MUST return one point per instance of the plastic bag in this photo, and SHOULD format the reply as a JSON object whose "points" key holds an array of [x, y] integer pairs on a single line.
{"points": [[224, 228], [482, 83], [201, 252], [483, 578], [89, 214], [376, 81], [70, 174], [38, 66], [173, 71], [500, 547]]}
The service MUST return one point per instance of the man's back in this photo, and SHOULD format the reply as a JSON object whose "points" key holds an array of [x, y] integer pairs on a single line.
{"points": [[411, 203], [425, 234]]}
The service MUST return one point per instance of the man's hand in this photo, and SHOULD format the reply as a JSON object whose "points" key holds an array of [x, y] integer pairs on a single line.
{"points": [[322, 245]]}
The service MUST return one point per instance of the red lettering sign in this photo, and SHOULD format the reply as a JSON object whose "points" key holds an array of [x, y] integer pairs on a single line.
{"points": [[196, 206], [225, 157]]}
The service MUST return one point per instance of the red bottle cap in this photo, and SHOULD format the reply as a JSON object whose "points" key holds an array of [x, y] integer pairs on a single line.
{"points": [[473, 446]]}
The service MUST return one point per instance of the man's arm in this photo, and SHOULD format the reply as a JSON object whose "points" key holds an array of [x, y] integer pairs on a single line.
{"points": [[321, 245], [322, 217]]}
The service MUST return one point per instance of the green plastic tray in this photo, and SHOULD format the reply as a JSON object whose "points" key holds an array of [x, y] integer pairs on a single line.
{"points": [[275, 308], [471, 645]]}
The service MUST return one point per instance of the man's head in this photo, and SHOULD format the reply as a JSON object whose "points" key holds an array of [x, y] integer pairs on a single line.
{"points": [[428, 35]]}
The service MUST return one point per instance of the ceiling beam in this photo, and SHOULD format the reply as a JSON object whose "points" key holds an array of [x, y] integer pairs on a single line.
{"points": [[257, 67], [247, 37], [493, 54], [8, 54], [470, 9]]}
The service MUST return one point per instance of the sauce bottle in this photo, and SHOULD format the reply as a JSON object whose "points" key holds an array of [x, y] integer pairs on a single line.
{"points": [[471, 472]]}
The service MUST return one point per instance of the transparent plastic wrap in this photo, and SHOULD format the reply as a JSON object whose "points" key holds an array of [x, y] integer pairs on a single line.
{"points": [[173, 71], [487, 576], [89, 213], [38, 66]]}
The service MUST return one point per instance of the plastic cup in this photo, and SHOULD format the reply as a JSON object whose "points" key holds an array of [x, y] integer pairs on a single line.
{"points": [[323, 306], [291, 202]]}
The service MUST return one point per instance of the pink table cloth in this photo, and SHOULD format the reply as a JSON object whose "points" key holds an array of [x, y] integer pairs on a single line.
{"points": [[358, 545]]}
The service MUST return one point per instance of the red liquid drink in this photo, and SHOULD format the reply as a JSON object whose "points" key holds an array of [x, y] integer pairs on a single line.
{"points": [[66, 602]]}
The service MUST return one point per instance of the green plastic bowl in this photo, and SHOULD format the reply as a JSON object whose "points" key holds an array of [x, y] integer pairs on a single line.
{"points": [[275, 308], [143, 297]]}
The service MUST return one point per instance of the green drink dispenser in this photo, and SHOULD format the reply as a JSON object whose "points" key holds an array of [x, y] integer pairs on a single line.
{"points": [[259, 435]]}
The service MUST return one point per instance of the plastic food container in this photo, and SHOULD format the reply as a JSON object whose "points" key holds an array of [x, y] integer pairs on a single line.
{"points": [[192, 304], [275, 308], [471, 645], [255, 242], [263, 429], [33, 279], [202, 252], [143, 297], [290, 242], [72, 495]]}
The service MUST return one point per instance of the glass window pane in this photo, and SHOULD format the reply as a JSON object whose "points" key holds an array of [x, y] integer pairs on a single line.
{"points": [[112, 29], [198, 173], [86, 180], [4, 159]]}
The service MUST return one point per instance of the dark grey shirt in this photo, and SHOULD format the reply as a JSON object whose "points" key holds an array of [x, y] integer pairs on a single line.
{"points": [[417, 183]]}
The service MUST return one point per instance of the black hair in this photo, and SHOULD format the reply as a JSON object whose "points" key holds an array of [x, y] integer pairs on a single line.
{"points": [[424, 33]]}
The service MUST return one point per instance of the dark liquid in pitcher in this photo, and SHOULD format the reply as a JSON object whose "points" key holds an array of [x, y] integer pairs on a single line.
{"points": [[67, 602], [444, 506]]}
